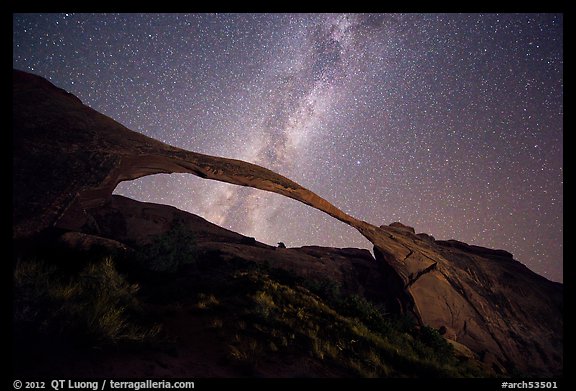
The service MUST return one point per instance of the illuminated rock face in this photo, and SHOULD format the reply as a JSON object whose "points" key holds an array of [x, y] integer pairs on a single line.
{"points": [[68, 159]]}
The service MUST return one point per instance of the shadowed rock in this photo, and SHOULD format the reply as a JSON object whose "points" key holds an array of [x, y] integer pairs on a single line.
{"points": [[134, 223], [68, 159]]}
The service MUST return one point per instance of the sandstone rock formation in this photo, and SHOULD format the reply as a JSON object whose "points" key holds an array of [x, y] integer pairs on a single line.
{"points": [[129, 222], [485, 299], [68, 159]]}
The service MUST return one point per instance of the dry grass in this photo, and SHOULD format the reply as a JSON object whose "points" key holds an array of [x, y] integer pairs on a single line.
{"points": [[94, 304], [279, 319], [206, 301]]}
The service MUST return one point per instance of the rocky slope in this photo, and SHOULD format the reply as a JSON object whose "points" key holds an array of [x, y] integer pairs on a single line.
{"points": [[133, 223], [69, 158]]}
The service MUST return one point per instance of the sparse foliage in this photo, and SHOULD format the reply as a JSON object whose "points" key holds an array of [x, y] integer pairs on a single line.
{"points": [[94, 305], [169, 251]]}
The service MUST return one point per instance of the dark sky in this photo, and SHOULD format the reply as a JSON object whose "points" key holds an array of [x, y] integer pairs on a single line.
{"points": [[451, 123]]}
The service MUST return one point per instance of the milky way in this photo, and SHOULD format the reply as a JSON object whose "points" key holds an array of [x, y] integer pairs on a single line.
{"points": [[448, 123]]}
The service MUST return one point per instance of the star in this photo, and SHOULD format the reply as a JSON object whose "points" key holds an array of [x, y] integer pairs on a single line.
{"points": [[451, 123]]}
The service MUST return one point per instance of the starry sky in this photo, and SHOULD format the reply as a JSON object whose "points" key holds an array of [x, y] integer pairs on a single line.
{"points": [[450, 123]]}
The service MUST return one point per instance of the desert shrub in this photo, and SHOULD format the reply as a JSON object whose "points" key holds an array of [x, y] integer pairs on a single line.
{"points": [[325, 288], [206, 301], [439, 349], [350, 333], [264, 304], [169, 251], [358, 306], [94, 305], [347, 331]]}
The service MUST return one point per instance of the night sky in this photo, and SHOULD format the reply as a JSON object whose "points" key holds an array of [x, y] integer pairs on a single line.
{"points": [[450, 123]]}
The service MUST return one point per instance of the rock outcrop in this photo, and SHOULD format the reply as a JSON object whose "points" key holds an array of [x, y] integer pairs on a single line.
{"points": [[485, 300], [68, 159], [132, 223]]}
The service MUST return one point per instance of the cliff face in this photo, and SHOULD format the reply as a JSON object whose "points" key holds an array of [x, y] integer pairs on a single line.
{"points": [[69, 158], [485, 299]]}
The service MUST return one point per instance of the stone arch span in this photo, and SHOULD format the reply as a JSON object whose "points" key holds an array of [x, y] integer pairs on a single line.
{"points": [[68, 158], [81, 155], [267, 217]]}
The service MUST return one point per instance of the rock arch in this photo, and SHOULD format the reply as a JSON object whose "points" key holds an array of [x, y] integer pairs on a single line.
{"points": [[68, 158]]}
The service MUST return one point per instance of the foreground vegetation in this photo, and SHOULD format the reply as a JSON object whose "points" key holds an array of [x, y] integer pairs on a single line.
{"points": [[263, 317], [93, 305]]}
